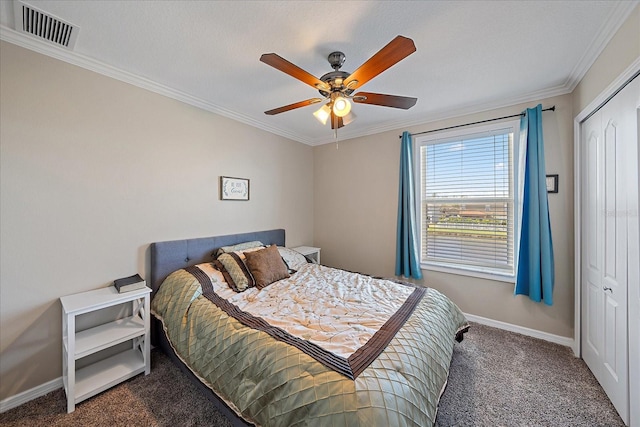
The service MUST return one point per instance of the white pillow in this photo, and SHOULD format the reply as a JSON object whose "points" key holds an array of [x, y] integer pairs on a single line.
{"points": [[295, 260], [239, 247]]}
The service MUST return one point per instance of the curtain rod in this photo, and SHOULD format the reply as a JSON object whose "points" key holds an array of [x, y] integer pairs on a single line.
{"points": [[553, 108]]}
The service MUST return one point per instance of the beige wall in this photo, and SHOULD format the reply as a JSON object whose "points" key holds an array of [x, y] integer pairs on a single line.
{"points": [[620, 53], [356, 199], [92, 171]]}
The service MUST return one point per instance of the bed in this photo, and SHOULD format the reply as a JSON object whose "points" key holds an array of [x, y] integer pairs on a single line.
{"points": [[309, 345]]}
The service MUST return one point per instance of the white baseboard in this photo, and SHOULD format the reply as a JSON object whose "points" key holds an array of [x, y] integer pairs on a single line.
{"points": [[557, 339], [31, 394], [28, 395]]}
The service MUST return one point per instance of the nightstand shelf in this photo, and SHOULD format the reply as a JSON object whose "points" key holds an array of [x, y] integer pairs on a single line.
{"points": [[104, 336], [80, 384], [106, 373], [312, 253]]}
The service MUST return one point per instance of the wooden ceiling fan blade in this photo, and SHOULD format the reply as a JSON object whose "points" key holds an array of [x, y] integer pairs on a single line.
{"points": [[394, 52], [293, 106], [293, 70], [395, 101]]}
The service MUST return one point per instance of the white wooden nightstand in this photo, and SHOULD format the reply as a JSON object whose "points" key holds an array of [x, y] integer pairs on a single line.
{"points": [[310, 252], [83, 383]]}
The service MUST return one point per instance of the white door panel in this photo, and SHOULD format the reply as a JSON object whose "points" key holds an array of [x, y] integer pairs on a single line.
{"points": [[610, 358], [633, 255], [592, 337], [634, 272], [609, 195], [591, 211]]}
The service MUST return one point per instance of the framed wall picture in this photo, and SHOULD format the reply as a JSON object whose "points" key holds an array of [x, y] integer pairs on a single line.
{"points": [[234, 188], [552, 183]]}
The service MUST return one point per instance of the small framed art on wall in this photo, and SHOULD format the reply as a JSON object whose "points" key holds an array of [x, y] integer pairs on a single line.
{"points": [[234, 188], [552, 183]]}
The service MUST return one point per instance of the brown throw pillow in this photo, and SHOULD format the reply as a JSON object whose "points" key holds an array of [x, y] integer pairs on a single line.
{"points": [[266, 266]]}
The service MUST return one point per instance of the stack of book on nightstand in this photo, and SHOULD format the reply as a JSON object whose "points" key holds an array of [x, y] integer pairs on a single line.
{"points": [[130, 283]]}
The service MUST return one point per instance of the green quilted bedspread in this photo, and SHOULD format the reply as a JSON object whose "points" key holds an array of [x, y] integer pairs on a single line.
{"points": [[271, 383]]}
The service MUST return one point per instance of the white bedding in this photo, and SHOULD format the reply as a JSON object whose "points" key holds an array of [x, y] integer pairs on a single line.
{"points": [[320, 306]]}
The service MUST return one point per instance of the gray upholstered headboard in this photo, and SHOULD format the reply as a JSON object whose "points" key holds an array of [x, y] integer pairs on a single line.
{"points": [[167, 257]]}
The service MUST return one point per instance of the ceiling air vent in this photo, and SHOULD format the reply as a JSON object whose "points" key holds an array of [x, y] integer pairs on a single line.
{"points": [[43, 25]]}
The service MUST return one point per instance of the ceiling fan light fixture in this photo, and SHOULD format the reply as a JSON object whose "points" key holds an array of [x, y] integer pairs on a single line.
{"points": [[341, 106], [323, 114], [349, 118], [337, 86]]}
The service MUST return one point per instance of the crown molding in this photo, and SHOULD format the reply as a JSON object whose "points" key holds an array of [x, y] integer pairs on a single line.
{"points": [[465, 110], [612, 24], [29, 42]]}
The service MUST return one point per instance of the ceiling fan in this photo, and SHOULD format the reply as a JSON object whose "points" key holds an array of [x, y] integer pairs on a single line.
{"points": [[337, 86]]}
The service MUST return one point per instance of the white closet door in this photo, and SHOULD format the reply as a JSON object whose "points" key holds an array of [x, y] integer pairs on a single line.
{"points": [[592, 294], [609, 141], [634, 267]]}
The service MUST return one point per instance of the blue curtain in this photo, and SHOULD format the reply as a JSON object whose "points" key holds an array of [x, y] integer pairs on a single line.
{"points": [[535, 274], [407, 263]]}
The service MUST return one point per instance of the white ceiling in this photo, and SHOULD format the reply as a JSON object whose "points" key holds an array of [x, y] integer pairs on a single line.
{"points": [[471, 55]]}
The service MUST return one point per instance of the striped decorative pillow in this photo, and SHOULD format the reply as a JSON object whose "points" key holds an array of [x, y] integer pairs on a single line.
{"points": [[227, 277], [234, 263]]}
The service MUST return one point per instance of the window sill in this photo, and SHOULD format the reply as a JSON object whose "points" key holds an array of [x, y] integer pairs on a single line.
{"points": [[471, 273]]}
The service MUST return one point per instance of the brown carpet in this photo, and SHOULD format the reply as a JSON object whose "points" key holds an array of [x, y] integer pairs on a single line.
{"points": [[497, 378], [500, 378]]}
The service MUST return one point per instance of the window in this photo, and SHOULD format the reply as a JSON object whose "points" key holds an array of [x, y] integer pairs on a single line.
{"points": [[467, 200]]}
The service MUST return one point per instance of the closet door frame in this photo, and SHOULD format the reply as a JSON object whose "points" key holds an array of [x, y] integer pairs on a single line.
{"points": [[599, 101]]}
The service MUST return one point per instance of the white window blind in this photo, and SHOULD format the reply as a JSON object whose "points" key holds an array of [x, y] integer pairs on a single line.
{"points": [[467, 202]]}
